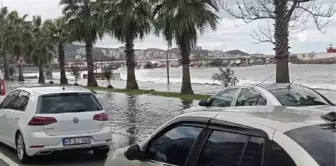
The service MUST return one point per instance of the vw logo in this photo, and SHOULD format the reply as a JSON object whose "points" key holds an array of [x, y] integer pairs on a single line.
{"points": [[75, 120]]}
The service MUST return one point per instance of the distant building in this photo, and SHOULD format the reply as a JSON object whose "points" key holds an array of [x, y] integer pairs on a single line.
{"points": [[331, 49]]}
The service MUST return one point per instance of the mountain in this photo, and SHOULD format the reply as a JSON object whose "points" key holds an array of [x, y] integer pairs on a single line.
{"points": [[237, 52]]}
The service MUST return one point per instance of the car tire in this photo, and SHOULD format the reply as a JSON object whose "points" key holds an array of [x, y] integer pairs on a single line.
{"points": [[21, 149], [101, 152]]}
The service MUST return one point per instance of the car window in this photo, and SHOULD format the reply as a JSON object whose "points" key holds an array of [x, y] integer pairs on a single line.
{"points": [[224, 98], [21, 101], [174, 146], [298, 96], [222, 149], [279, 157], [318, 140], [68, 102], [249, 97], [9, 100], [253, 153]]}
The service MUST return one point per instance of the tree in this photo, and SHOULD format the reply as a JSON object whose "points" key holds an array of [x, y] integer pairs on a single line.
{"points": [[127, 20], [80, 15], [225, 77], [75, 71], [286, 15], [3, 52], [108, 74], [49, 73], [15, 32], [183, 21], [62, 34], [42, 46]]}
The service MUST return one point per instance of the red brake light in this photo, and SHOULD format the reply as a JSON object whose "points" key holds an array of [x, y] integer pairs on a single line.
{"points": [[41, 121], [101, 117]]}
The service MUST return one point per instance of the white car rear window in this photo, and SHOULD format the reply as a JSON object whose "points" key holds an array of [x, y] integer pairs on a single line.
{"points": [[68, 102]]}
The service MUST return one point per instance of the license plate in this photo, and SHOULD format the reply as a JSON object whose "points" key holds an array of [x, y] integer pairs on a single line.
{"points": [[76, 141]]}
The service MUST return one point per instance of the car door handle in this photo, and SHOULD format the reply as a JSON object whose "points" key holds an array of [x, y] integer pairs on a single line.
{"points": [[16, 118], [4, 115]]}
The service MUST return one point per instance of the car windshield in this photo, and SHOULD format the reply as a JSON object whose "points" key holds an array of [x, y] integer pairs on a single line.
{"points": [[318, 141], [298, 96], [68, 102]]}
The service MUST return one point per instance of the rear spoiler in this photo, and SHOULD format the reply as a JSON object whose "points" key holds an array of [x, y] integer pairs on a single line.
{"points": [[331, 116]]}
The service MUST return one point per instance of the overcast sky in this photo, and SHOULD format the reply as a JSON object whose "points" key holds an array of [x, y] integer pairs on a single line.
{"points": [[229, 35]]}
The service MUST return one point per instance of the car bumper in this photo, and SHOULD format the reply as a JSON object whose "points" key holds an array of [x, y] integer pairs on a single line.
{"points": [[39, 143]]}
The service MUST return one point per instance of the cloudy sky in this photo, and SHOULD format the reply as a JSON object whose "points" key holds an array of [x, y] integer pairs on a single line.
{"points": [[231, 34]]}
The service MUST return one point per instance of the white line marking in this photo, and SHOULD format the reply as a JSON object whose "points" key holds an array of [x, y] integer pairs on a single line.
{"points": [[8, 160]]}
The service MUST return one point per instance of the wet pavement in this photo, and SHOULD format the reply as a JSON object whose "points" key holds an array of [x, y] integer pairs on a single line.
{"points": [[132, 118]]}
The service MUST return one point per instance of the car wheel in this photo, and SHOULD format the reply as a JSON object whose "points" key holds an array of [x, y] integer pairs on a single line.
{"points": [[101, 152], [21, 149]]}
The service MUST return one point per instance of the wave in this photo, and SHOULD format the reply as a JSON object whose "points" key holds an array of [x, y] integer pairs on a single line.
{"points": [[143, 76]]}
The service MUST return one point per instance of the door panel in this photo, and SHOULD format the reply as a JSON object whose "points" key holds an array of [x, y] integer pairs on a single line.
{"points": [[6, 106], [15, 113]]}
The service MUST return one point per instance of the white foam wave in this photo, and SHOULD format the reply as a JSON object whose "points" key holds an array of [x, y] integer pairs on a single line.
{"points": [[144, 76]]}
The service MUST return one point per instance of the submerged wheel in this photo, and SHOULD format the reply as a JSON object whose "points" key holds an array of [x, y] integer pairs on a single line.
{"points": [[101, 152], [21, 149]]}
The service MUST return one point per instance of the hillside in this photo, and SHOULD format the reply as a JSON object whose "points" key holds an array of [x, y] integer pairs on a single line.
{"points": [[237, 52]]}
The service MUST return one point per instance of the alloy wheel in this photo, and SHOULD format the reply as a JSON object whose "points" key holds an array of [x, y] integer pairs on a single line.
{"points": [[20, 147]]}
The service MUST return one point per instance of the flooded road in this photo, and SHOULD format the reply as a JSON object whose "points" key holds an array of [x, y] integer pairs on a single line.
{"points": [[132, 118]]}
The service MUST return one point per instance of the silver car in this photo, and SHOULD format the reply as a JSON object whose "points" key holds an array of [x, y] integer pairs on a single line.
{"points": [[269, 95]]}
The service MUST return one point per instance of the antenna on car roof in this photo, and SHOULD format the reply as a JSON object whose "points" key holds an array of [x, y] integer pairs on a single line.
{"points": [[257, 85], [63, 88], [288, 86]]}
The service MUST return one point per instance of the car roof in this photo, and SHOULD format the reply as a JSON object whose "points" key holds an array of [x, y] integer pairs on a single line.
{"points": [[279, 86], [43, 90], [268, 86], [276, 117]]}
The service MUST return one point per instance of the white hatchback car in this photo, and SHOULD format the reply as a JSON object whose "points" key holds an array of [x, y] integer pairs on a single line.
{"points": [[41, 120], [264, 136]]}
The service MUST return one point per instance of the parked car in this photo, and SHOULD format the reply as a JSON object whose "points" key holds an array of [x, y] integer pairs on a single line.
{"points": [[42, 120], [269, 94], [268, 136]]}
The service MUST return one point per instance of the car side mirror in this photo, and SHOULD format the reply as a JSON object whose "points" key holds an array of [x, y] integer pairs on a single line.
{"points": [[134, 153], [204, 103]]}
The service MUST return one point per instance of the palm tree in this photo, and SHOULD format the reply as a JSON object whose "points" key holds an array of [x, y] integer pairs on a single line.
{"points": [[15, 34], [127, 20], [62, 34], [183, 21], [42, 45], [80, 16], [3, 52]]}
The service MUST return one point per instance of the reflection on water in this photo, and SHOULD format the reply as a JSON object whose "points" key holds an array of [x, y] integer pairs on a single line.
{"points": [[134, 117], [187, 104], [131, 113]]}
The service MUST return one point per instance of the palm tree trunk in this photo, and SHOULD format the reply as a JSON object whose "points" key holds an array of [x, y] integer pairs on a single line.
{"points": [[91, 80], [185, 53], [41, 79], [130, 63], [61, 56], [21, 78], [6, 67], [281, 41]]}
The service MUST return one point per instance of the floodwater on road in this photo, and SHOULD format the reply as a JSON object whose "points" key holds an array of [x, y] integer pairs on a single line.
{"points": [[132, 118], [140, 115]]}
